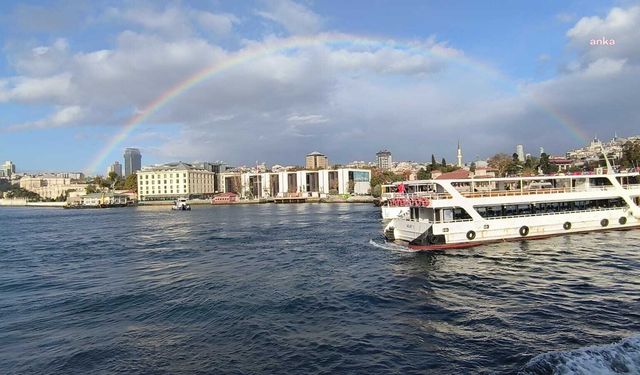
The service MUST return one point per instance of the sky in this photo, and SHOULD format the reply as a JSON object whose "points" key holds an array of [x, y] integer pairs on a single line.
{"points": [[272, 80]]}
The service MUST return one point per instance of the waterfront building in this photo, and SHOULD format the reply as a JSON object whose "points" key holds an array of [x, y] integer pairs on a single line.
{"points": [[8, 168], [520, 152], [132, 161], [225, 198], [116, 167], [175, 180], [215, 167], [316, 160], [302, 183], [104, 199], [50, 186], [383, 159], [459, 156]]}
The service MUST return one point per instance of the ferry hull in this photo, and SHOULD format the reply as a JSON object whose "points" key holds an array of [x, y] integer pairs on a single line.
{"points": [[489, 242]]}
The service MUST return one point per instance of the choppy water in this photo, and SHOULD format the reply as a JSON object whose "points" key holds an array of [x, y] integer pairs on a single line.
{"points": [[304, 289]]}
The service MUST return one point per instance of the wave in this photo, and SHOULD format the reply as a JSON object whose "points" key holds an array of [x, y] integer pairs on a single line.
{"points": [[619, 358], [390, 246]]}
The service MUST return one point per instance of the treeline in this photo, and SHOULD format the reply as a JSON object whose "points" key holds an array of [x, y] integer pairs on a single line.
{"points": [[113, 181]]}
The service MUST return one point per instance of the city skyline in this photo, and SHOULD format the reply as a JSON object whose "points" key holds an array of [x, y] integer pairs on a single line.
{"points": [[273, 80], [375, 161]]}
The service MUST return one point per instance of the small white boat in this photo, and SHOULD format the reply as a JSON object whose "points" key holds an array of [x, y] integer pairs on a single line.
{"points": [[181, 205]]}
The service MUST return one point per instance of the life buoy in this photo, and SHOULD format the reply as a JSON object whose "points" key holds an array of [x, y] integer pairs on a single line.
{"points": [[566, 225], [471, 235], [524, 230], [604, 222], [622, 220]]}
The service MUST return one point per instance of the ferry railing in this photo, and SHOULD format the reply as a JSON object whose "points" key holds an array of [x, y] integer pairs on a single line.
{"points": [[531, 215], [506, 193]]}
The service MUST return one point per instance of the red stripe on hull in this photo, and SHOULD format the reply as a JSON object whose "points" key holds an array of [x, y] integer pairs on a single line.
{"points": [[466, 245]]}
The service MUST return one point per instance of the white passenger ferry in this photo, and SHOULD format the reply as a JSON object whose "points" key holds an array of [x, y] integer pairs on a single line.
{"points": [[468, 212]]}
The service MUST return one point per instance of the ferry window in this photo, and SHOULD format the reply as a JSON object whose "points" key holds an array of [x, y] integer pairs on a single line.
{"points": [[447, 215], [524, 209], [510, 210], [482, 211], [460, 214]]}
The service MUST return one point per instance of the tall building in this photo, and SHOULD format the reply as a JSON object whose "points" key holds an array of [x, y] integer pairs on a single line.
{"points": [[132, 161], [8, 168], [316, 160], [383, 159], [459, 156], [520, 152], [115, 167]]}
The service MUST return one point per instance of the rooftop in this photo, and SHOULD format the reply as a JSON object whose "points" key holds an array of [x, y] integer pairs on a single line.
{"points": [[455, 175]]}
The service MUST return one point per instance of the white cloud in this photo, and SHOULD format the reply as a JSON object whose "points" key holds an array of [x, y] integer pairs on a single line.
{"points": [[307, 119], [61, 117], [621, 25], [294, 17], [219, 24], [348, 101], [53, 89]]}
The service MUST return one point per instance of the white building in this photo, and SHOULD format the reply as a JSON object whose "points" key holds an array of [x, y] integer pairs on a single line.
{"points": [[384, 159], [50, 186], [304, 183], [8, 169], [174, 180], [520, 152], [116, 167]]}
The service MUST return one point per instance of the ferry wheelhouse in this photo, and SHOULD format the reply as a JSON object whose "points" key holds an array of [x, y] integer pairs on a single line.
{"points": [[468, 212], [394, 203]]}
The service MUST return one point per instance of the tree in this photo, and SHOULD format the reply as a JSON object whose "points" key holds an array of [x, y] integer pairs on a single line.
{"points": [[113, 176], [434, 165], [131, 183], [380, 177], [101, 182], [17, 192], [545, 166], [472, 167], [91, 188], [423, 174], [444, 162], [376, 191], [630, 154], [500, 162], [515, 157]]}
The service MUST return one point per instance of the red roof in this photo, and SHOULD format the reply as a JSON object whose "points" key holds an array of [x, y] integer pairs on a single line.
{"points": [[455, 175]]}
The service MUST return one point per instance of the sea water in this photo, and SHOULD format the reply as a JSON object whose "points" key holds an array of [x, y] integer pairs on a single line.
{"points": [[304, 289]]}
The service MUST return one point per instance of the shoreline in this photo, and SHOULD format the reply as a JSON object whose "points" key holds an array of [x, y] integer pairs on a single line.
{"points": [[200, 202]]}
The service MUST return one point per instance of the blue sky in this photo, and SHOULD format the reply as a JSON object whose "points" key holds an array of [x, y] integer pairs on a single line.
{"points": [[73, 73]]}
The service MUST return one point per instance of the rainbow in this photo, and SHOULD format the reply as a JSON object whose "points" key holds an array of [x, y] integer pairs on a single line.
{"points": [[254, 52]]}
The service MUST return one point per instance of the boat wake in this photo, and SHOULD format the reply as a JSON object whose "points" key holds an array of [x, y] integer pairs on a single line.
{"points": [[390, 246], [619, 358]]}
